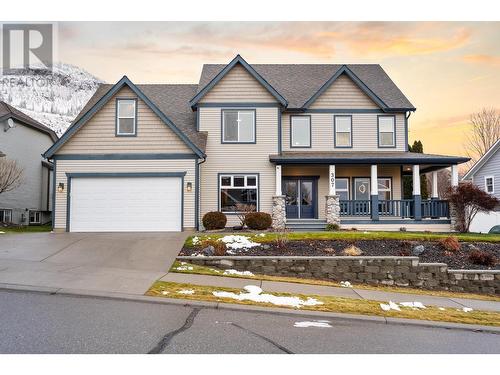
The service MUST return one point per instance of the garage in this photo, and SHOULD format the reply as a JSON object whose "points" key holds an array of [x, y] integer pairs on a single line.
{"points": [[125, 204]]}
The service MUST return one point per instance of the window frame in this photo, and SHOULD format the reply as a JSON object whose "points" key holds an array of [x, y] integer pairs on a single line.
{"points": [[492, 184], [36, 213], [291, 131], [118, 117], [335, 131], [238, 110], [389, 189], [348, 189], [246, 186], [393, 133], [9, 210]]}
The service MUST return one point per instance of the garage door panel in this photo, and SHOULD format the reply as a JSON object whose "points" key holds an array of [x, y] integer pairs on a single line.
{"points": [[125, 204]]}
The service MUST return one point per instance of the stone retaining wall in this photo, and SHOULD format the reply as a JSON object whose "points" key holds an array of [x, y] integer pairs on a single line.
{"points": [[398, 271]]}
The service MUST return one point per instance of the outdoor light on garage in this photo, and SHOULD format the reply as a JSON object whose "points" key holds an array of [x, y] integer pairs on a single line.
{"points": [[189, 187], [60, 187]]}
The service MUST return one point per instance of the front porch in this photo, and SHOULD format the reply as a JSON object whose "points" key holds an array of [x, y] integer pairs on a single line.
{"points": [[356, 194]]}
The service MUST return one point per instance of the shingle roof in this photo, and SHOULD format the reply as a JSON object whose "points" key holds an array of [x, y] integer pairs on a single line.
{"points": [[171, 99], [8, 111], [299, 82], [364, 157]]}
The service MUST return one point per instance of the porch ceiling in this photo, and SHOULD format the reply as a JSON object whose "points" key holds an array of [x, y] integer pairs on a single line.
{"points": [[363, 157]]}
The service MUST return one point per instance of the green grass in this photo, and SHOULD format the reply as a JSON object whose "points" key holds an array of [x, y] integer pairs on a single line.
{"points": [[27, 229], [212, 271], [331, 304]]}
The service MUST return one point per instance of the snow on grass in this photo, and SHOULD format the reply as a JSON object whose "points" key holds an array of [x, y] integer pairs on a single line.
{"points": [[186, 291], [441, 308], [184, 268], [466, 309], [394, 306], [417, 305], [254, 293], [238, 273], [195, 240], [2, 232], [316, 323], [346, 284], [164, 292], [235, 242], [390, 306]]}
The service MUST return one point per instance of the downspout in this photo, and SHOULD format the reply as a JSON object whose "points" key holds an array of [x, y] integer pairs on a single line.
{"points": [[197, 191], [407, 116]]}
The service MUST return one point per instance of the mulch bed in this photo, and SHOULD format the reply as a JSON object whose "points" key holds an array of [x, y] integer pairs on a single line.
{"points": [[434, 253]]}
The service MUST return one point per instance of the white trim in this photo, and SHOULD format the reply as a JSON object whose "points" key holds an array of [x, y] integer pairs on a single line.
{"points": [[389, 189], [435, 185], [9, 210], [118, 116], [346, 179], [238, 111], [374, 179], [232, 187], [492, 184], [336, 143], [278, 180], [454, 175], [478, 164], [416, 179], [36, 213], [393, 132], [332, 182], [308, 118]]}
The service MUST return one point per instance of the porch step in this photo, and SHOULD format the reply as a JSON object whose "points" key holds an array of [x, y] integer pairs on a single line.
{"points": [[306, 224]]}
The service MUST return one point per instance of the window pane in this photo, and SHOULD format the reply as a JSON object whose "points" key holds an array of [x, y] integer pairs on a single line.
{"points": [[230, 126], [343, 139], [386, 139], [384, 183], [229, 198], [239, 181], [225, 181], [126, 108], [301, 133], [384, 195], [251, 181], [343, 195], [343, 124], [386, 124], [247, 128], [341, 184], [126, 126]]}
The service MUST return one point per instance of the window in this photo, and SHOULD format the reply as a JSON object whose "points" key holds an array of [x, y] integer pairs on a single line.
{"points": [[342, 188], [5, 216], [300, 129], [489, 184], [384, 189], [238, 190], [343, 131], [386, 131], [126, 117], [238, 126], [35, 217]]}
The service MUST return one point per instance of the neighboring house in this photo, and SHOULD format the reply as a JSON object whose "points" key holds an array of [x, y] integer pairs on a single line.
{"points": [[284, 138], [485, 173], [25, 140]]}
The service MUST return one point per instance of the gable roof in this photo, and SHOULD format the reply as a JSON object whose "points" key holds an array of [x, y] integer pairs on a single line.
{"points": [[168, 101], [7, 111], [298, 83], [223, 71], [482, 161]]}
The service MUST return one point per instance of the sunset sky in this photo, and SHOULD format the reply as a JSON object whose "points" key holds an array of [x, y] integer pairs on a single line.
{"points": [[448, 70]]}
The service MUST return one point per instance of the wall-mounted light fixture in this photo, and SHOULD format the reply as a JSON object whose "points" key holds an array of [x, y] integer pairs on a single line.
{"points": [[60, 187], [189, 187]]}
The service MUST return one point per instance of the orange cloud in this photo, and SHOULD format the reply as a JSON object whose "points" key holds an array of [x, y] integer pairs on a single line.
{"points": [[483, 59]]}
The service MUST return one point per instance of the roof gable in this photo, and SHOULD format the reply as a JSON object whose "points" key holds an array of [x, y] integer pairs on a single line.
{"points": [[98, 102], [222, 73], [482, 161]]}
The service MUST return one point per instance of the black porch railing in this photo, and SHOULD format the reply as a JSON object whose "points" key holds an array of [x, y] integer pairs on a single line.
{"points": [[402, 208]]}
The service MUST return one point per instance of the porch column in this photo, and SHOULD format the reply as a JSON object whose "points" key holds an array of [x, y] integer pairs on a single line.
{"points": [[331, 174], [435, 194], [417, 199], [374, 192], [279, 207], [454, 175], [453, 210], [332, 209]]}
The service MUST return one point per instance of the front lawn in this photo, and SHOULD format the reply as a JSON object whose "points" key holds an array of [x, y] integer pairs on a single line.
{"points": [[329, 304], [26, 229]]}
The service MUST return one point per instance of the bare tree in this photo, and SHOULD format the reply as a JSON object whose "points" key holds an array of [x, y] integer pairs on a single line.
{"points": [[485, 131], [10, 175]]}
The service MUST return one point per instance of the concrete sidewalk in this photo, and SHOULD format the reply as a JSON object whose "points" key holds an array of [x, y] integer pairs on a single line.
{"points": [[354, 293]]}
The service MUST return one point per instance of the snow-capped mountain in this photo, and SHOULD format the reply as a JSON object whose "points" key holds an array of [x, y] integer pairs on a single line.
{"points": [[52, 98]]}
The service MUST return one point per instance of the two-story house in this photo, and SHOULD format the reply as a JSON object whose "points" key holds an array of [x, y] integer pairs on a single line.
{"points": [[310, 144], [24, 140]]}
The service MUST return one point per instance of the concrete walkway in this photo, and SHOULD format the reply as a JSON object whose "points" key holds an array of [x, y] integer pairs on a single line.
{"points": [[355, 293]]}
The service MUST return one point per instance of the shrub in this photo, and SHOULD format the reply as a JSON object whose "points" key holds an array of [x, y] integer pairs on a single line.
{"points": [[450, 244], [402, 229], [352, 251], [404, 252], [214, 220], [219, 246], [281, 239], [258, 220], [482, 258], [332, 227]]}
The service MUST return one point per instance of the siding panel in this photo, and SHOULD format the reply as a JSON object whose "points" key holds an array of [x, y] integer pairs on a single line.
{"points": [[490, 168]]}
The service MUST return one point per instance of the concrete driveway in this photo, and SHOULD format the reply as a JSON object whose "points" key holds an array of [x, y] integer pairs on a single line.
{"points": [[108, 262]]}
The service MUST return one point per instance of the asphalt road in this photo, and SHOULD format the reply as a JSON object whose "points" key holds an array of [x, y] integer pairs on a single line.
{"points": [[41, 323]]}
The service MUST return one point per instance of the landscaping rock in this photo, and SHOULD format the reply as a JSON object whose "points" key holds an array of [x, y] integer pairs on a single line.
{"points": [[266, 247], [472, 247], [417, 250], [208, 251]]}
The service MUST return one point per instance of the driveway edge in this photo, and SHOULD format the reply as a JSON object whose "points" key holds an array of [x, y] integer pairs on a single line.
{"points": [[247, 308]]}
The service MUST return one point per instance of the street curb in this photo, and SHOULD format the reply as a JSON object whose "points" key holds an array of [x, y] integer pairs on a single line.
{"points": [[244, 308]]}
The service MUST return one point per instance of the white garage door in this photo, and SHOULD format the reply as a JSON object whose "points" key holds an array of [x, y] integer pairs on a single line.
{"points": [[125, 204]]}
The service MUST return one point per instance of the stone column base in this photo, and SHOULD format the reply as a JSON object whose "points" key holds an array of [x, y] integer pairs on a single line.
{"points": [[332, 209], [279, 212], [453, 216]]}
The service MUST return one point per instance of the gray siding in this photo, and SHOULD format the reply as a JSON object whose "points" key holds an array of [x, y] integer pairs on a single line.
{"points": [[25, 145], [490, 168]]}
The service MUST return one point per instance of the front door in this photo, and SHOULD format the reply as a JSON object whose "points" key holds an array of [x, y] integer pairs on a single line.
{"points": [[361, 196], [300, 197]]}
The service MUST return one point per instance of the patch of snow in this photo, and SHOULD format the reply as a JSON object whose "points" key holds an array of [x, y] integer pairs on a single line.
{"points": [[164, 292], [239, 273], [2, 232], [262, 235], [195, 240], [441, 308], [184, 268], [346, 284], [390, 306], [238, 242], [417, 305], [466, 309], [199, 255], [316, 323], [214, 270], [186, 291], [254, 293]]}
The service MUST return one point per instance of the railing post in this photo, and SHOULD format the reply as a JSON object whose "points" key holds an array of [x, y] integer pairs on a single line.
{"points": [[374, 192]]}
